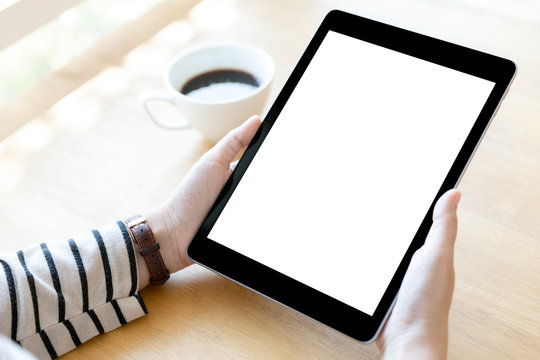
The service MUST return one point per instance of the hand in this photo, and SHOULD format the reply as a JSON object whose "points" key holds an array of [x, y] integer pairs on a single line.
{"points": [[175, 222], [418, 325]]}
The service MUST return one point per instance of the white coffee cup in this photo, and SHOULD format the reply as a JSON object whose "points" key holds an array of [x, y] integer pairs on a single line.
{"points": [[213, 118]]}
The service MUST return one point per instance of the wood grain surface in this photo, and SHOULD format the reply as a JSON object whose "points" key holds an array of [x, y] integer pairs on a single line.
{"points": [[72, 140]]}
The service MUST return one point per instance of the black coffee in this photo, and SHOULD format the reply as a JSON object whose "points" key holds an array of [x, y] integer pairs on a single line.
{"points": [[219, 85]]}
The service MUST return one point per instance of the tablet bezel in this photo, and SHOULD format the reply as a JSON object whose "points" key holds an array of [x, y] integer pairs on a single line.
{"points": [[299, 296]]}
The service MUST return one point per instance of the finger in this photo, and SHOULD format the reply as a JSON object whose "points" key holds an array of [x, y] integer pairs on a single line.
{"points": [[237, 139], [444, 229], [447, 204], [233, 165]]}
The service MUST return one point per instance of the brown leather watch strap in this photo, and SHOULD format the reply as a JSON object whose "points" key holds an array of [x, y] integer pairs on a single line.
{"points": [[148, 247]]}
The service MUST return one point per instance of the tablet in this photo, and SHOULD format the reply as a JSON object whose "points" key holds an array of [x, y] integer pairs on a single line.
{"points": [[335, 193]]}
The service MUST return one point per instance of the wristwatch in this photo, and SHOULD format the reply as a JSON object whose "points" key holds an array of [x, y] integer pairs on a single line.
{"points": [[148, 248]]}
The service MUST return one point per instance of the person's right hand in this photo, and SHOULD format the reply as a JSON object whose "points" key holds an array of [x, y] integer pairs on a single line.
{"points": [[418, 325]]}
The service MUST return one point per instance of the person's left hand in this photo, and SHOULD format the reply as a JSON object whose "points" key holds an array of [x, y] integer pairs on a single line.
{"points": [[176, 221]]}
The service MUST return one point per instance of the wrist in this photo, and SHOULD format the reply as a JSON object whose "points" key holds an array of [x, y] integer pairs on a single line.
{"points": [[173, 237], [415, 346], [151, 266], [413, 351], [173, 251]]}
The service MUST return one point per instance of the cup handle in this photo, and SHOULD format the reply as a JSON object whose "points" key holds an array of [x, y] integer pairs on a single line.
{"points": [[148, 96]]}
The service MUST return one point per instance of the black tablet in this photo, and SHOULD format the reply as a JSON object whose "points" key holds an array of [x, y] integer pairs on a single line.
{"points": [[335, 193]]}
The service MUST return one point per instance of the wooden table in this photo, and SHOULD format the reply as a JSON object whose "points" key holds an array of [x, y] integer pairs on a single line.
{"points": [[67, 169]]}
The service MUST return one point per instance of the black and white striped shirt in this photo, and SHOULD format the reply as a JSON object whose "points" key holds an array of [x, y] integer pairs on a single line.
{"points": [[58, 295]]}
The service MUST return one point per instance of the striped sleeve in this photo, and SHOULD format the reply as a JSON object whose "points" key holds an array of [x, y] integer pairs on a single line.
{"points": [[55, 296]]}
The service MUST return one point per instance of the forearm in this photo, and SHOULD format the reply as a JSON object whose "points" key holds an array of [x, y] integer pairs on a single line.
{"points": [[57, 295]]}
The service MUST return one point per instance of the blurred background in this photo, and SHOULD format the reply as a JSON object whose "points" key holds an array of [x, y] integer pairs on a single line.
{"points": [[43, 43], [62, 37]]}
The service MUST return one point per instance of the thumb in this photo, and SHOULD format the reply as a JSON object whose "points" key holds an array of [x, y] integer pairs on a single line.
{"points": [[444, 229], [227, 148]]}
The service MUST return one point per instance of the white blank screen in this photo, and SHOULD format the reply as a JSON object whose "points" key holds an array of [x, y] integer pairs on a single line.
{"points": [[343, 180]]}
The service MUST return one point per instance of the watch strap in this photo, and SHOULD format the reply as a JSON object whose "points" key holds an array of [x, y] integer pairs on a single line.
{"points": [[148, 248]]}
